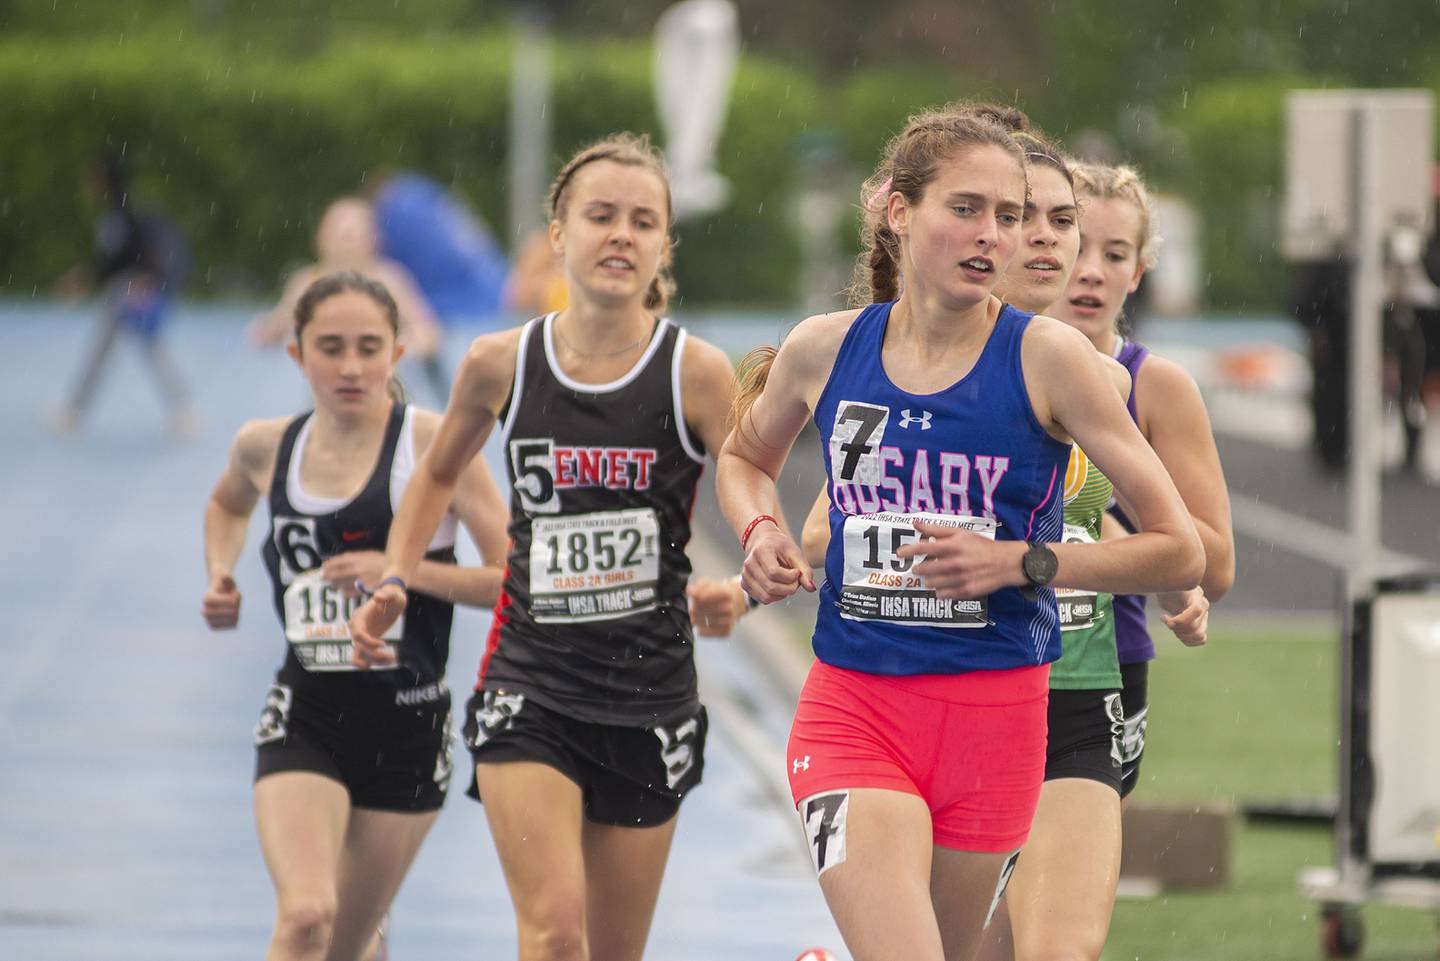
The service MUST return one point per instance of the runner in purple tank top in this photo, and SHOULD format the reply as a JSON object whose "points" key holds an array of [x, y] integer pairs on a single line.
{"points": [[1118, 242]]}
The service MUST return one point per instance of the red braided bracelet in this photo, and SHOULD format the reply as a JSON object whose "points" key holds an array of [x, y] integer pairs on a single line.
{"points": [[750, 528]]}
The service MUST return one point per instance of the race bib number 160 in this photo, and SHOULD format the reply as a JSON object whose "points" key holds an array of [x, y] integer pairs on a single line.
{"points": [[881, 585], [316, 624]]}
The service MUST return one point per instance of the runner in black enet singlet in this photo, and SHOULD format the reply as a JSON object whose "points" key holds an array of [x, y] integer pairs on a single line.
{"points": [[592, 616], [585, 727]]}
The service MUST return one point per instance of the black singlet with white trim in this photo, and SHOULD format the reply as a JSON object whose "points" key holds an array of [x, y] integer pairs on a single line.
{"points": [[592, 621], [314, 614]]}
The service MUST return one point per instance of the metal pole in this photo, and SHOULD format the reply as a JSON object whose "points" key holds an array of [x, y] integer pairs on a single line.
{"points": [[529, 172], [1364, 470], [1366, 304]]}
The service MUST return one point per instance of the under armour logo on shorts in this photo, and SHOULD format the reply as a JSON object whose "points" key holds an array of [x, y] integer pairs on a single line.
{"points": [[923, 420], [800, 764]]}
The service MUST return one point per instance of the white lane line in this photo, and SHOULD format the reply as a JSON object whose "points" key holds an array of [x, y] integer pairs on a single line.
{"points": [[1308, 538]]}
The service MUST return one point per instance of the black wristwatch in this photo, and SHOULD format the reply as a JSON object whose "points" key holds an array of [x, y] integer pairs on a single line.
{"points": [[1038, 565]]}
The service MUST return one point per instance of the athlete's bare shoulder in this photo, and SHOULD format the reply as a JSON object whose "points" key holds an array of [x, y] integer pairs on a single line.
{"points": [[256, 445], [1166, 391], [1049, 334], [818, 329], [814, 342], [705, 367], [1119, 376], [1163, 375], [488, 370], [1059, 363]]}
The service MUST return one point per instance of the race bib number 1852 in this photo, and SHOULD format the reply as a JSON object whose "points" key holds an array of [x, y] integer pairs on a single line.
{"points": [[594, 567], [881, 585]]}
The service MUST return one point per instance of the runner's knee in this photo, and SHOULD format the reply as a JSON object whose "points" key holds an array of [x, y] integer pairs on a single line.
{"points": [[559, 936], [306, 923]]}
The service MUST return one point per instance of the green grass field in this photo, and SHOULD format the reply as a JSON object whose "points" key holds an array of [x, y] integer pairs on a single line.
{"points": [[1252, 716]]}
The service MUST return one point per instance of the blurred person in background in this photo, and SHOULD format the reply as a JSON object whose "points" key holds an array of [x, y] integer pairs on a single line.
{"points": [[347, 239], [447, 248], [536, 284], [140, 262]]}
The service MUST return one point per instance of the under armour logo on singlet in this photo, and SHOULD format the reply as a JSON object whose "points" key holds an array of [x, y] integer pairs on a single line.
{"points": [[923, 420]]}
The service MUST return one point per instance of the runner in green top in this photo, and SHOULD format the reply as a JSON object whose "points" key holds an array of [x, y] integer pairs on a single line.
{"points": [[1087, 624]]}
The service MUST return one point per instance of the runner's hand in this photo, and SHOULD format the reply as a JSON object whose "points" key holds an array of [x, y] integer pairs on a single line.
{"points": [[775, 568], [221, 606], [1187, 614], [960, 564], [343, 570], [374, 618], [715, 606]]}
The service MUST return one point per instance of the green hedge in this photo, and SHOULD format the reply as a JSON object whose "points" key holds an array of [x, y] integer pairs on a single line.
{"points": [[246, 150], [1235, 136]]}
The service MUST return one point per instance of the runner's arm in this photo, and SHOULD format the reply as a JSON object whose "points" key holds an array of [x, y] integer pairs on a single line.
{"points": [[1078, 396], [756, 450], [480, 389], [227, 519], [1173, 416], [815, 538]]}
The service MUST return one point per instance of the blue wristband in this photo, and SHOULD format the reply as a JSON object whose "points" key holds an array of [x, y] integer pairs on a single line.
{"points": [[392, 579]]}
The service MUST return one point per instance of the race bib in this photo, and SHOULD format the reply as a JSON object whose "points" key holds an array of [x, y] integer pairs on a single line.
{"points": [[316, 616], [594, 567], [879, 585], [1078, 608]]}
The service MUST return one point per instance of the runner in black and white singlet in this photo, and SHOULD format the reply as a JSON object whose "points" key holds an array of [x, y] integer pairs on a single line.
{"points": [[585, 727], [351, 766]]}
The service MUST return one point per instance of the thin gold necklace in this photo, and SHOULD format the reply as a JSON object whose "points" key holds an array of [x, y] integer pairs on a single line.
{"points": [[609, 353]]}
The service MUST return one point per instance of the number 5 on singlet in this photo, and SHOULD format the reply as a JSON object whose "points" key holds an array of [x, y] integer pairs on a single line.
{"points": [[594, 567], [879, 585], [317, 619]]}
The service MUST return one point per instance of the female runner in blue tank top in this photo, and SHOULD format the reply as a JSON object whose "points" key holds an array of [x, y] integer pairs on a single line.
{"points": [[946, 418], [586, 728], [1118, 242], [351, 767], [1062, 890]]}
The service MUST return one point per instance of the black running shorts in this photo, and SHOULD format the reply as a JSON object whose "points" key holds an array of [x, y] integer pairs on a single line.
{"points": [[392, 749], [628, 776], [1086, 728]]}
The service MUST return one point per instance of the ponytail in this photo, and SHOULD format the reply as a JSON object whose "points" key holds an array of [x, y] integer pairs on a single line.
{"points": [[750, 379]]}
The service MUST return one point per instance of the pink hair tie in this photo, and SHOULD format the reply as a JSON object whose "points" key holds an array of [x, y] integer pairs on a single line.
{"points": [[881, 191]]}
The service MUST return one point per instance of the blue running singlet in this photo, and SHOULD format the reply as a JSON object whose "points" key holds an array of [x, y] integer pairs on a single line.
{"points": [[972, 455]]}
